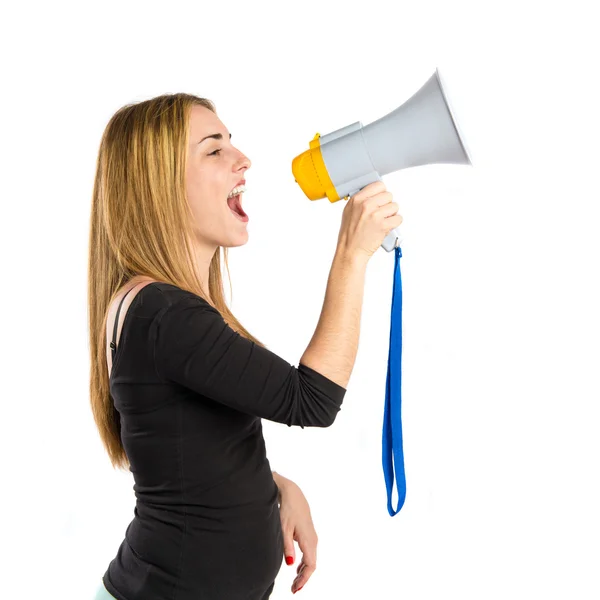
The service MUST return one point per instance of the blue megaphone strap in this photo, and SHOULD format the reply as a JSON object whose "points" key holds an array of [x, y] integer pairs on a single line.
{"points": [[392, 418]]}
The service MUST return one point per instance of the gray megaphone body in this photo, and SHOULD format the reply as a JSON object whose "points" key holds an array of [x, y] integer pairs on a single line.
{"points": [[422, 131]]}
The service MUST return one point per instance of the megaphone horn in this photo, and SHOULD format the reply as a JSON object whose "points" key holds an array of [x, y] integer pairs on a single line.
{"points": [[422, 131]]}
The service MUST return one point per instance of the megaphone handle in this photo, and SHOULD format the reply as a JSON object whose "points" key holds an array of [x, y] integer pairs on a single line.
{"points": [[393, 238]]}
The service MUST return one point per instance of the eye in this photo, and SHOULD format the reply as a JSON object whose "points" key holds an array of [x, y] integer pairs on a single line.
{"points": [[215, 152]]}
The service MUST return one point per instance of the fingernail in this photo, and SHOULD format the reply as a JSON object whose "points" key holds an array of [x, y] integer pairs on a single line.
{"points": [[298, 589], [289, 560]]}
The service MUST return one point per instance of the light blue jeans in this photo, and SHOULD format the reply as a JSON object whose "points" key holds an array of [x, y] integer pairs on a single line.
{"points": [[102, 593]]}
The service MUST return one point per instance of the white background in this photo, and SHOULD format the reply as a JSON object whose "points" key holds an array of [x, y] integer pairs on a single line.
{"points": [[500, 386]]}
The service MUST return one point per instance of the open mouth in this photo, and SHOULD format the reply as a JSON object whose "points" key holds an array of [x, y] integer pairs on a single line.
{"points": [[235, 206]]}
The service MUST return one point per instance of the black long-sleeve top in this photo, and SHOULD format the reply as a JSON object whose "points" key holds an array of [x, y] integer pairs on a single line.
{"points": [[191, 393]]}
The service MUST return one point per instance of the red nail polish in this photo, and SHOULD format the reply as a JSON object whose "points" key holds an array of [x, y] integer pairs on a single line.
{"points": [[299, 589], [289, 560]]}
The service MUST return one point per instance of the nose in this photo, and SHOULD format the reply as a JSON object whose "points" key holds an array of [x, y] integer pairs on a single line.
{"points": [[243, 162]]}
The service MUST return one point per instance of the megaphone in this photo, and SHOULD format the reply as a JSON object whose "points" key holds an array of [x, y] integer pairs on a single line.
{"points": [[422, 131]]}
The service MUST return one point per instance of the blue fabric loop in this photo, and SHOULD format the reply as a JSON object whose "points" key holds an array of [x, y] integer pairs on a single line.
{"points": [[392, 419]]}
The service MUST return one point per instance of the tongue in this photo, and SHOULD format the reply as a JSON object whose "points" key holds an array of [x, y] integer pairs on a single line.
{"points": [[235, 206]]}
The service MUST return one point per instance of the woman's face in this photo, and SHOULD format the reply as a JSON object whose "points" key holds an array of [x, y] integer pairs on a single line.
{"points": [[214, 168]]}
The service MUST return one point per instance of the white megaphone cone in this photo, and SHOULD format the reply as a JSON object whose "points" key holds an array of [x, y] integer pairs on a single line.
{"points": [[422, 131]]}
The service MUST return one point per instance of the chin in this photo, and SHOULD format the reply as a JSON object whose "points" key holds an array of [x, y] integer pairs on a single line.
{"points": [[239, 239]]}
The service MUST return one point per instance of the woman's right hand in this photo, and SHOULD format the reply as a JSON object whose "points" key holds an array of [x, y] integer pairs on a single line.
{"points": [[367, 218]]}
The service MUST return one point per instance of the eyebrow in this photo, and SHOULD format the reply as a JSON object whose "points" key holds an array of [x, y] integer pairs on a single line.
{"points": [[216, 136]]}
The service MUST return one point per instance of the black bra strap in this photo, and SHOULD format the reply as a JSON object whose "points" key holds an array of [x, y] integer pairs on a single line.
{"points": [[113, 344]]}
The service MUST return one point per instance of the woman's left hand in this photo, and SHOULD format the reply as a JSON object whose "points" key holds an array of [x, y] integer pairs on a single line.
{"points": [[297, 524]]}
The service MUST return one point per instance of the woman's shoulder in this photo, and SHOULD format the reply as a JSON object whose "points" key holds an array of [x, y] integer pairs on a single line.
{"points": [[167, 296], [150, 296]]}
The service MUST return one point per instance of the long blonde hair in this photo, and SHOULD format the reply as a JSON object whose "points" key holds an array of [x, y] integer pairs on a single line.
{"points": [[142, 225]]}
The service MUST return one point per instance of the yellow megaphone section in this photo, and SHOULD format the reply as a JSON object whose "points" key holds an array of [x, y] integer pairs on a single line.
{"points": [[311, 174]]}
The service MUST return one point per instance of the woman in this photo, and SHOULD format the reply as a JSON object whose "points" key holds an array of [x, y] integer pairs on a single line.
{"points": [[178, 386]]}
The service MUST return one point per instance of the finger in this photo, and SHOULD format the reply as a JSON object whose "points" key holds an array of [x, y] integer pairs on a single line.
{"points": [[302, 578], [308, 547], [308, 564], [378, 200], [370, 190], [288, 547], [387, 210]]}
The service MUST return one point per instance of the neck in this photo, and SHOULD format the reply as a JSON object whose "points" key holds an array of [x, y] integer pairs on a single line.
{"points": [[204, 255]]}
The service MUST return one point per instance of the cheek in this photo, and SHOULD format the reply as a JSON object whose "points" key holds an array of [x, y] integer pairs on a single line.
{"points": [[206, 204], [203, 183], [195, 182], [205, 195]]}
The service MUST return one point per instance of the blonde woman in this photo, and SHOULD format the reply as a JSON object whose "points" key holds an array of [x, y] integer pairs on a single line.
{"points": [[178, 386]]}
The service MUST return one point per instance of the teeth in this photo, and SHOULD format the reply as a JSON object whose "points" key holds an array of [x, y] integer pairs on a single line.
{"points": [[237, 190]]}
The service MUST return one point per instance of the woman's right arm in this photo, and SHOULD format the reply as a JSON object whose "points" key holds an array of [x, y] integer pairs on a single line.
{"points": [[367, 218], [194, 347], [334, 345]]}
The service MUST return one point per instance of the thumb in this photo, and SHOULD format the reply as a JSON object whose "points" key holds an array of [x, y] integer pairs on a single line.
{"points": [[288, 548]]}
